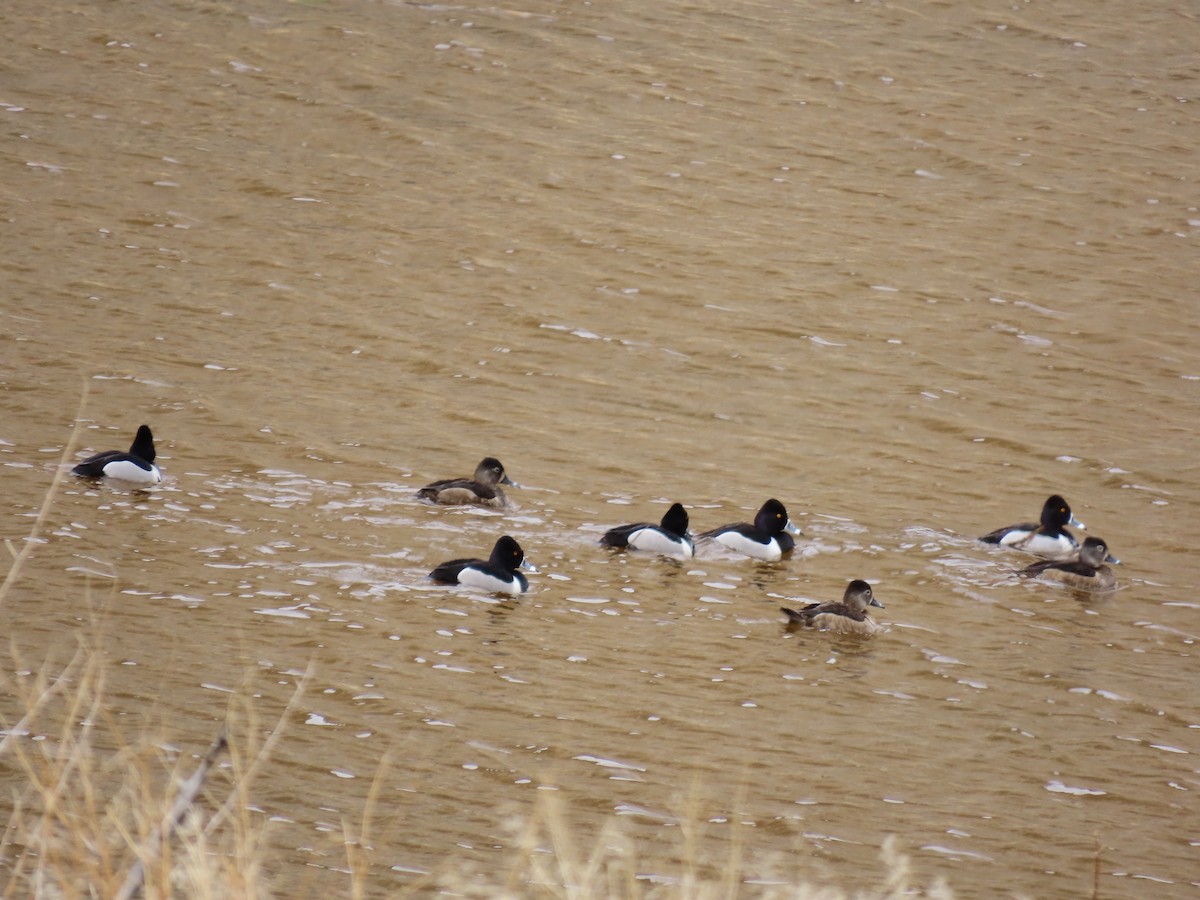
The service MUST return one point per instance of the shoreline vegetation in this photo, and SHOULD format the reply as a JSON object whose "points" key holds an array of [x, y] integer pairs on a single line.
{"points": [[548, 857], [144, 819], [95, 811]]}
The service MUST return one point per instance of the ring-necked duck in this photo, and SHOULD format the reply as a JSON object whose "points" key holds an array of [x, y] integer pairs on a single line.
{"points": [[483, 489], [669, 537], [499, 574], [136, 466], [848, 616], [768, 538], [1086, 570], [1049, 538]]}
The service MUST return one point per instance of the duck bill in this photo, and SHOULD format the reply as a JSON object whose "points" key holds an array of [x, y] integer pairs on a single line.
{"points": [[1112, 559], [792, 529], [875, 602], [1074, 521], [528, 566]]}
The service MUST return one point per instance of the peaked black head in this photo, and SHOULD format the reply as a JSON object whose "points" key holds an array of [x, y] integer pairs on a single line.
{"points": [[1055, 512], [675, 520], [507, 554], [143, 444], [772, 518]]}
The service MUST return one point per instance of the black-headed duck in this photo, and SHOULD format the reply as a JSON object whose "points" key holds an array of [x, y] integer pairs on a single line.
{"points": [[137, 466], [670, 537], [768, 538], [500, 573], [1048, 538]]}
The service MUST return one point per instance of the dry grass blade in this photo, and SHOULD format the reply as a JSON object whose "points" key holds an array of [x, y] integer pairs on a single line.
{"points": [[184, 798], [20, 556], [42, 696], [549, 857], [244, 778], [358, 847], [87, 802]]}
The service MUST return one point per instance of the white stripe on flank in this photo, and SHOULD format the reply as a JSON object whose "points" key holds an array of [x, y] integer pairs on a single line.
{"points": [[739, 543], [653, 540], [485, 581], [126, 470], [1039, 544]]}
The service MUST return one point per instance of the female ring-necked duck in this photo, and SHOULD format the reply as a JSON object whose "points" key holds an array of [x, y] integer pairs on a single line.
{"points": [[1086, 570], [483, 489], [669, 537], [768, 538], [1048, 538], [499, 573], [136, 466], [847, 616]]}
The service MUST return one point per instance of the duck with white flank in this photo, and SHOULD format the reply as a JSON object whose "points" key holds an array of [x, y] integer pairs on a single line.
{"points": [[136, 466], [768, 538], [1048, 538], [499, 574], [670, 537]]}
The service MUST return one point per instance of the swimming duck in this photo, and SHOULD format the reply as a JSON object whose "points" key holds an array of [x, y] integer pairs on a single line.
{"points": [[499, 573], [849, 616], [669, 537], [1086, 570], [768, 538], [483, 489], [136, 466], [1049, 538]]}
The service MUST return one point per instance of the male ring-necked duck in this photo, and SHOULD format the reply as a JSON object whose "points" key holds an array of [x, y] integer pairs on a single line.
{"points": [[1086, 570], [1047, 538], [768, 538], [483, 489], [847, 616], [137, 466], [669, 537], [499, 574]]}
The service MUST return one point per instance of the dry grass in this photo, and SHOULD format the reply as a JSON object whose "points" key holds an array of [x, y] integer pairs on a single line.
{"points": [[100, 813], [547, 859], [94, 815], [101, 817]]}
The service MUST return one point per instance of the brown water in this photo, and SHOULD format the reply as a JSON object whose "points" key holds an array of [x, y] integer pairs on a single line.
{"points": [[908, 268]]}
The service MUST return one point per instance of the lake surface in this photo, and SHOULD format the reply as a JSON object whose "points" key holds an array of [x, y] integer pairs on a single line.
{"points": [[909, 269]]}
